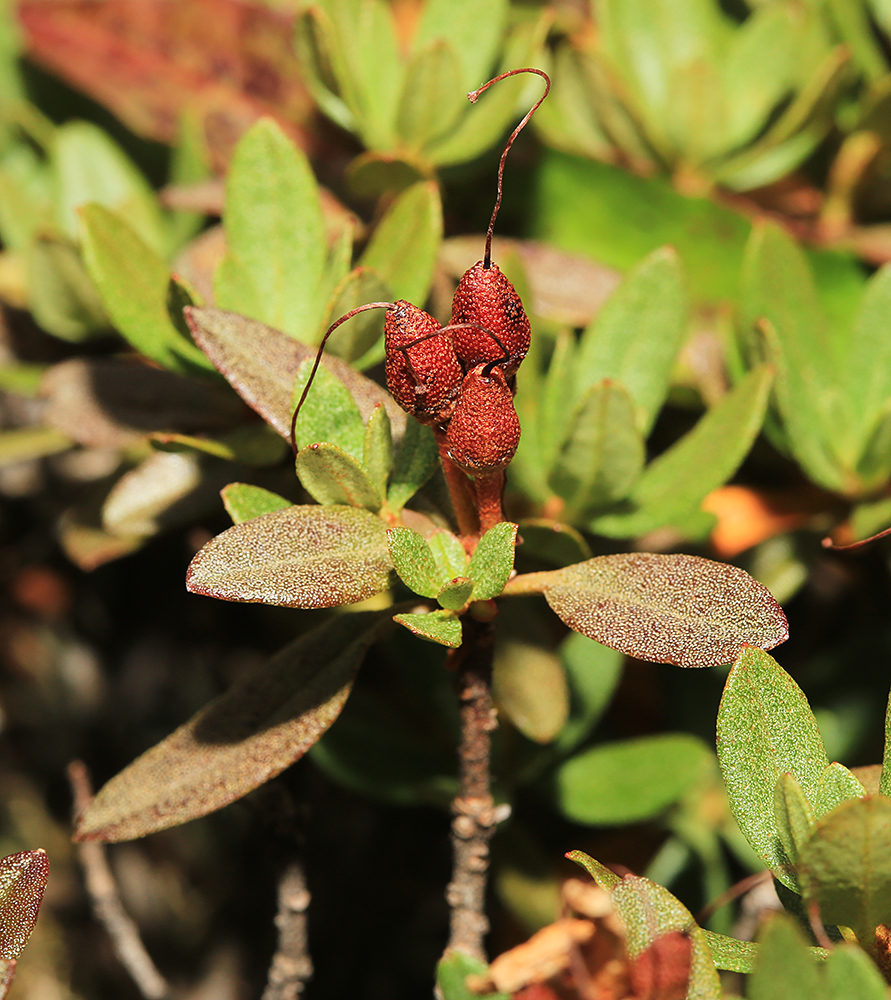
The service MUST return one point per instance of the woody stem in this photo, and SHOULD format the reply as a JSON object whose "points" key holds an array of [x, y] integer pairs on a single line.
{"points": [[473, 812]]}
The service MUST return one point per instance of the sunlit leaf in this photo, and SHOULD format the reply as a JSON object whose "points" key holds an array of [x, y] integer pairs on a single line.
{"points": [[492, 561], [417, 458], [414, 562], [331, 476], [22, 883], [261, 725], [244, 502], [766, 729], [455, 594], [437, 626], [794, 815], [666, 608], [300, 557]]}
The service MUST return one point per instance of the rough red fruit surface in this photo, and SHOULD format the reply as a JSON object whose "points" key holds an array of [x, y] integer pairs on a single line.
{"points": [[423, 373], [485, 430], [485, 297]]}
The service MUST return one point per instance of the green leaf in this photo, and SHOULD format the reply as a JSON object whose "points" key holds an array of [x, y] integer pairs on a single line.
{"points": [[846, 866], [431, 99], [885, 780], [301, 557], [850, 974], [133, 282], [331, 476], [473, 28], [635, 338], [26, 443], [649, 912], [665, 608], [492, 561], [529, 687], [603, 451], [794, 815], [455, 594], [261, 363], [357, 340], [631, 780], [603, 876], [451, 977], [784, 969], [88, 166], [416, 460], [261, 725], [275, 235], [679, 479], [63, 299], [377, 453], [329, 412], [766, 729], [778, 292], [437, 626], [405, 243], [730, 954], [593, 672], [448, 552], [244, 502], [837, 785], [414, 562], [22, 884]]}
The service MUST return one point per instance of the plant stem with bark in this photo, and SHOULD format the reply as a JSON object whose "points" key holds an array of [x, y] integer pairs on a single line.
{"points": [[473, 810]]}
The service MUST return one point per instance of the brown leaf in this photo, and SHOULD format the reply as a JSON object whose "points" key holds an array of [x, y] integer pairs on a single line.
{"points": [[150, 61], [299, 557], [566, 287], [261, 364], [22, 883], [662, 971], [110, 404], [244, 737], [667, 608]]}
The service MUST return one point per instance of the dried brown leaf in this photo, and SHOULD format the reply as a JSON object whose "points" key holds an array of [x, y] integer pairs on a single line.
{"points": [[667, 608], [299, 557], [261, 364], [246, 736]]}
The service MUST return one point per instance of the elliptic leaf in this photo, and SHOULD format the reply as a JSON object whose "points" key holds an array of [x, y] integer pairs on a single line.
{"points": [[22, 883], [331, 476], [602, 453], [472, 27], [276, 247], [529, 687], [766, 729], [592, 671], [133, 281], [631, 780], [731, 954], [784, 968], [666, 608], [416, 460], [846, 866], [414, 562], [635, 338], [301, 557], [404, 245], [244, 502], [329, 413], [63, 299], [852, 975], [455, 594], [885, 781], [359, 341], [837, 785], [437, 626], [492, 561], [448, 553], [431, 98], [377, 452], [794, 815], [451, 977], [261, 725], [261, 364]]}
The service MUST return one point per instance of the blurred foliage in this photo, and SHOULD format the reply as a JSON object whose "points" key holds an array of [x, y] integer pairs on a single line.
{"points": [[701, 237]]}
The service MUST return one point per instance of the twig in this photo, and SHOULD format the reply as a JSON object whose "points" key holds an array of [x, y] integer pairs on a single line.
{"points": [[291, 967], [473, 809], [106, 901]]}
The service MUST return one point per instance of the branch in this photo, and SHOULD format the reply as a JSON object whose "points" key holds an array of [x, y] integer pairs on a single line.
{"points": [[106, 901], [291, 967], [474, 813]]}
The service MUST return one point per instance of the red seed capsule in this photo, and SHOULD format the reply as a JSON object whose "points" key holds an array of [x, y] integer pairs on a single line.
{"points": [[423, 373], [485, 297], [484, 431]]}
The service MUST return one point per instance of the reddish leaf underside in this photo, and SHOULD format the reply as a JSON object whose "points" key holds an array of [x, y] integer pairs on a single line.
{"points": [[22, 883], [261, 364], [299, 557], [667, 608], [246, 736]]}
